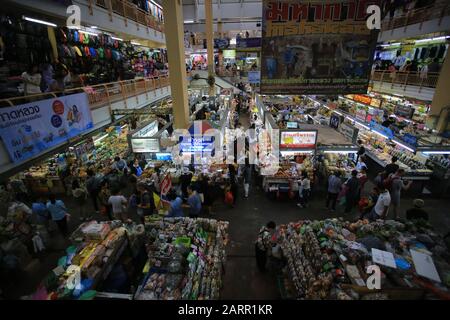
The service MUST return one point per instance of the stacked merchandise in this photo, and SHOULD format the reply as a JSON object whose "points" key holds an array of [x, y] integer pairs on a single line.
{"points": [[338, 163], [328, 259], [186, 258], [381, 151], [96, 249], [22, 44]]}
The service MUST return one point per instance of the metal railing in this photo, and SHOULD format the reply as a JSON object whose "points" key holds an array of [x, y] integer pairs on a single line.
{"points": [[414, 16], [406, 79], [129, 11], [101, 94]]}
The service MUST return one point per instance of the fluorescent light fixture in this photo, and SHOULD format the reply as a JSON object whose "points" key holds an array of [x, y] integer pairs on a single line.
{"points": [[402, 145], [115, 38], [380, 134], [40, 21], [293, 153], [100, 138], [391, 44], [432, 39], [73, 28], [90, 33], [136, 43], [436, 152], [347, 117], [124, 126], [340, 151], [337, 112], [188, 21], [362, 125], [94, 27]]}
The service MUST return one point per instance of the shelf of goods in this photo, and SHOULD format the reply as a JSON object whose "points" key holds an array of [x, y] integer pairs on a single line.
{"points": [[328, 259], [333, 163], [288, 174], [185, 259], [381, 152], [95, 250]]}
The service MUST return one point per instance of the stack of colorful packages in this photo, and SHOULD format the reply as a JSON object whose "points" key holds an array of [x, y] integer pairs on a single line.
{"points": [[186, 258]]}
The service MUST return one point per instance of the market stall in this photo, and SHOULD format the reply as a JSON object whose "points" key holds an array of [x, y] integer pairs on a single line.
{"points": [[185, 259], [335, 259], [96, 249]]}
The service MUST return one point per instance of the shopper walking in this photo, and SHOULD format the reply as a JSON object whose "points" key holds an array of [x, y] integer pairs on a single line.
{"points": [[176, 205], [391, 168], [247, 173], [80, 195], [304, 190], [93, 185], [397, 185], [334, 187], [362, 176], [103, 197], [233, 182], [146, 204], [118, 205], [361, 151], [352, 194], [59, 214], [40, 212], [381, 208], [263, 245]]}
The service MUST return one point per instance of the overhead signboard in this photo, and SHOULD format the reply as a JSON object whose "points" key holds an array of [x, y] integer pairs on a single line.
{"points": [[316, 47], [254, 77], [248, 43], [197, 144], [144, 145], [229, 54], [298, 139], [292, 125], [29, 129], [148, 131]]}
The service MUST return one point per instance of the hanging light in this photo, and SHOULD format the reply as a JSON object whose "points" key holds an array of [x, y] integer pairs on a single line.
{"points": [[39, 21]]}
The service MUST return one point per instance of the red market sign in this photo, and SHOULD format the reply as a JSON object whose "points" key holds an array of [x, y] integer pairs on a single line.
{"points": [[166, 185], [298, 139], [362, 98]]}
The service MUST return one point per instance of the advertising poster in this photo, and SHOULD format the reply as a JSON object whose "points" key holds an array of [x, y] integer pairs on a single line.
{"points": [[298, 139], [29, 129], [316, 47], [254, 77], [335, 120]]}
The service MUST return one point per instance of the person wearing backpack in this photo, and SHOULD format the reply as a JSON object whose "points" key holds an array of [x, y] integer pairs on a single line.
{"points": [[397, 185]]}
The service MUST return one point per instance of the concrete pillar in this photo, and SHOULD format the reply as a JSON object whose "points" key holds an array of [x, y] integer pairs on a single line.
{"points": [[174, 30], [209, 36], [441, 98]]}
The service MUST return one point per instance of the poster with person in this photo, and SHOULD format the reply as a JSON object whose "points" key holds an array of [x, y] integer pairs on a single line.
{"points": [[316, 47], [29, 129]]}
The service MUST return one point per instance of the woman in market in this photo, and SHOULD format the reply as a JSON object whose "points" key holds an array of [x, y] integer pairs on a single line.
{"points": [[80, 194], [397, 185], [194, 203], [32, 80], [352, 193], [103, 197], [146, 204], [362, 176], [263, 245], [40, 212], [58, 212], [176, 205], [304, 190], [233, 182]]}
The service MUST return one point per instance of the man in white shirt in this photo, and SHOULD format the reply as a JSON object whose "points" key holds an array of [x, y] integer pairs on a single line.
{"points": [[381, 208], [118, 203]]}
